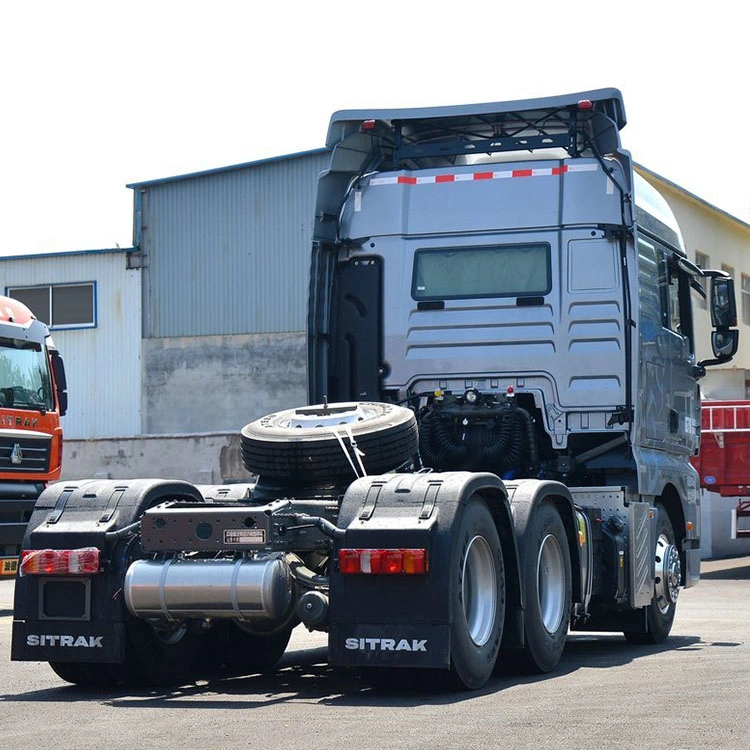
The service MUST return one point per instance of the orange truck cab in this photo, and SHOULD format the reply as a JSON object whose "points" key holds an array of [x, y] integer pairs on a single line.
{"points": [[33, 397]]}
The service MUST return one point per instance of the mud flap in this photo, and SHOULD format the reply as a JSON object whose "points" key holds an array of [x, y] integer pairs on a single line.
{"points": [[402, 620], [395, 645], [95, 642], [82, 618]]}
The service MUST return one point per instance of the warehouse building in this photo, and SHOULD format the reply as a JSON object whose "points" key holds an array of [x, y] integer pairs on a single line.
{"points": [[92, 302], [223, 257]]}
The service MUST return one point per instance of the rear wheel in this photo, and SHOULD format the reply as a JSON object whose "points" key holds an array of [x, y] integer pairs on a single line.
{"points": [[244, 652], [477, 596], [159, 655], [87, 675], [546, 575], [667, 578]]}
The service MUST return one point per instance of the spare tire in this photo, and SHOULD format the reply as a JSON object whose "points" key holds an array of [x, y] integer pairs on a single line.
{"points": [[302, 444]]}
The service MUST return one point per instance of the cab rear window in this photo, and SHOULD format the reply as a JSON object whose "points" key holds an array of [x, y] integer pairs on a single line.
{"points": [[492, 271]]}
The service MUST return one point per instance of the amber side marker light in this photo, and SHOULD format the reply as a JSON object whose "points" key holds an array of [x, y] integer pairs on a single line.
{"points": [[383, 561]]}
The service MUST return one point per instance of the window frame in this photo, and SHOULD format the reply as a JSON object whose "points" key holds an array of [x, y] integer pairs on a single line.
{"points": [[703, 261], [50, 296], [675, 297], [745, 295], [417, 297]]}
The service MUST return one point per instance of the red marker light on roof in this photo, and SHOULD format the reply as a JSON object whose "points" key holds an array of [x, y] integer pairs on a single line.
{"points": [[585, 104], [368, 125], [510, 390]]}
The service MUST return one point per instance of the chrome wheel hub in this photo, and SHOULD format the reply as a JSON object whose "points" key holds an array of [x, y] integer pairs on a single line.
{"points": [[667, 574]]}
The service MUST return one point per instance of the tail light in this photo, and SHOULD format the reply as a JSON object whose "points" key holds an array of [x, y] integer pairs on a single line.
{"points": [[68, 562], [383, 561]]}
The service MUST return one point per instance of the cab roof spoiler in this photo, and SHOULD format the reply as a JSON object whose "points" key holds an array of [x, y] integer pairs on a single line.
{"points": [[578, 122]]}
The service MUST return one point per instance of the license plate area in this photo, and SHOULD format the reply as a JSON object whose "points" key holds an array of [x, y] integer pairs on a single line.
{"points": [[65, 599]]}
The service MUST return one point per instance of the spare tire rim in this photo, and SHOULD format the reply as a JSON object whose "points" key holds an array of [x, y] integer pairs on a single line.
{"points": [[479, 590], [323, 415]]}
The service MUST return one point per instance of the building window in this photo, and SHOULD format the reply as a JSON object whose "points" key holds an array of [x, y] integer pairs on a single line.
{"points": [[728, 270], [702, 261], [746, 299], [60, 305]]}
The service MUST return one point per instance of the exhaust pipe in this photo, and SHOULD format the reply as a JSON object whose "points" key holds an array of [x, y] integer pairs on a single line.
{"points": [[254, 590]]}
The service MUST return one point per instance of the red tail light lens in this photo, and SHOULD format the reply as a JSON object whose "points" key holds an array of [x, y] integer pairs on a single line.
{"points": [[68, 562], [383, 561]]}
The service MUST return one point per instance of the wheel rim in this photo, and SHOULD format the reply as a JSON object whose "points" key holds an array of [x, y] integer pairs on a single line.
{"points": [[667, 574], [324, 416], [479, 590], [169, 635], [550, 583]]}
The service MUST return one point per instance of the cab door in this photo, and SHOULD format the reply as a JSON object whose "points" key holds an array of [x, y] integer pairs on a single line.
{"points": [[682, 401]]}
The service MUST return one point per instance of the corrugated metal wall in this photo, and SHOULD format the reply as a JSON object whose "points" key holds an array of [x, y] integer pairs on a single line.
{"points": [[228, 253], [103, 363]]}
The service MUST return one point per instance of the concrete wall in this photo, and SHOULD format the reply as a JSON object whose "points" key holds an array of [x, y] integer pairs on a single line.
{"points": [[215, 458], [725, 384], [208, 458], [216, 383], [716, 528]]}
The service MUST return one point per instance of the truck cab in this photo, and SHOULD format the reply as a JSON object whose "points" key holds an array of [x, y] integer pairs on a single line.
{"points": [[503, 271]]}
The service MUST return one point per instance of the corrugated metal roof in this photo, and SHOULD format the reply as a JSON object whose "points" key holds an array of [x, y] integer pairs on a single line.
{"points": [[221, 170], [66, 253], [229, 252]]}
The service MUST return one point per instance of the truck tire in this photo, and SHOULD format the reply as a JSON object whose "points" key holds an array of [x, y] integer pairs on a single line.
{"points": [[89, 675], [159, 657], [667, 574], [477, 596], [302, 444], [546, 578], [242, 652]]}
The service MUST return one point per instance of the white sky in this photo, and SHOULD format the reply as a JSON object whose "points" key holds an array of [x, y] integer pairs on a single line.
{"points": [[99, 94]]}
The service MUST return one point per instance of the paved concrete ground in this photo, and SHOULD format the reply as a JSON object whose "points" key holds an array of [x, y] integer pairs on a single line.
{"points": [[693, 692]]}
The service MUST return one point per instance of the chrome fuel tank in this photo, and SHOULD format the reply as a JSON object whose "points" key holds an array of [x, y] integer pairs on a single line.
{"points": [[259, 590]]}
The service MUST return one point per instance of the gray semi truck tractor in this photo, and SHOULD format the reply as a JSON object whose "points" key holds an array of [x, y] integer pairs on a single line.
{"points": [[504, 403]]}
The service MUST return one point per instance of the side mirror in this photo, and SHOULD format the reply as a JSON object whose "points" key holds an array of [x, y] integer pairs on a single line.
{"points": [[725, 343], [723, 305], [724, 339], [61, 384]]}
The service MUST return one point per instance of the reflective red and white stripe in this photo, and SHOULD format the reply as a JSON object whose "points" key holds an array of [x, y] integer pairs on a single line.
{"points": [[407, 179]]}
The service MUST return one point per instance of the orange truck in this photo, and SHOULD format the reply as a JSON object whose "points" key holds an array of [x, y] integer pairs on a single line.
{"points": [[33, 397]]}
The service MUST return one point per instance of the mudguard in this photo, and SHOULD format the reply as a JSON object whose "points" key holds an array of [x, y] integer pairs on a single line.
{"points": [[525, 496], [82, 618], [405, 620]]}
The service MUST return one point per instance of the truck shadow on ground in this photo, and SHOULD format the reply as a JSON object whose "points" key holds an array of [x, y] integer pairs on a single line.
{"points": [[727, 574], [306, 676]]}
